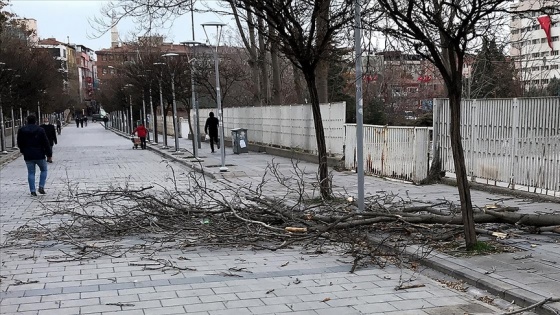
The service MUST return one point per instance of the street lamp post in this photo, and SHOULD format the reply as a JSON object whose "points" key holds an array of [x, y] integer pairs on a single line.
{"points": [[163, 114], [196, 129], [175, 118], [219, 27]]}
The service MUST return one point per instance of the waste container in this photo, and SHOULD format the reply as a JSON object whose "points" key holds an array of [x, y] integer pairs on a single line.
{"points": [[239, 138]]}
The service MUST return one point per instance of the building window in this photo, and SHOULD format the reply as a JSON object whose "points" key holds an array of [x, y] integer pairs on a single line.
{"points": [[104, 57], [104, 70], [555, 38], [554, 53], [111, 57], [554, 67]]}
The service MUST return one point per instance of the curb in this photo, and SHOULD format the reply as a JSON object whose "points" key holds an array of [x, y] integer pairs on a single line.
{"points": [[7, 158], [506, 289]]}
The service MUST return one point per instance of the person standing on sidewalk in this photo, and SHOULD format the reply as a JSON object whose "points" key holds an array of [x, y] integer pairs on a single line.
{"points": [[58, 126], [50, 131], [211, 128], [105, 121], [142, 132], [77, 121], [34, 145]]}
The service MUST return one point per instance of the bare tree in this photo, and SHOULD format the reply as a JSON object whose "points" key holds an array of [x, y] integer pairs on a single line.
{"points": [[304, 37], [443, 32]]}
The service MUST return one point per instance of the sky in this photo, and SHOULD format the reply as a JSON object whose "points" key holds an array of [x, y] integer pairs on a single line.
{"points": [[70, 18]]}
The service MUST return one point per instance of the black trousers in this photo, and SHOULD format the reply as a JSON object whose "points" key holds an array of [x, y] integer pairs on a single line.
{"points": [[143, 142], [214, 139]]}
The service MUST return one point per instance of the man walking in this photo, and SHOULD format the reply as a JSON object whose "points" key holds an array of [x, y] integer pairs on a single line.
{"points": [[50, 131], [34, 145], [58, 126], [105, 121], [142, 131], [211, 128]]}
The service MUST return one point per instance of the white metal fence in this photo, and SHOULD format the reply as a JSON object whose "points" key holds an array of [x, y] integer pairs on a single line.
{"points": [[513, 141], [397, 152], [170, 129], [288, 126]]}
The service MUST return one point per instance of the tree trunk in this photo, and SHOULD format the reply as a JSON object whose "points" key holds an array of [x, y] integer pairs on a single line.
{"points": [[325, 184], [276, 81], [251, 46], [460, 168], [155, 124], [298, 85], [253, 63], [262, 63], [322, 70]]}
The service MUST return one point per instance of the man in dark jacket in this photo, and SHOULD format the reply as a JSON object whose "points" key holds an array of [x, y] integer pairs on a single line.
{"points": [[211, 128], [50, 131], [34, 145]]}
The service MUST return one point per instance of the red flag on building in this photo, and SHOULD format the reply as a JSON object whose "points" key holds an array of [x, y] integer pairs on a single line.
{"points": [[544, 21]]}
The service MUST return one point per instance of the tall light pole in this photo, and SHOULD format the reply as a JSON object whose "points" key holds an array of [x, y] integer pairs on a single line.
{"points": [[219, 26], [163, 113], [196, 128], [359, 105], [175, 118]]}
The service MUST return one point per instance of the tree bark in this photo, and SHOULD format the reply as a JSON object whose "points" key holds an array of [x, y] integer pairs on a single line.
{"points": [[325, 184], [460, 168], [276, 81], [322, 71], [251, 46], [298, 85], [262, 63]]}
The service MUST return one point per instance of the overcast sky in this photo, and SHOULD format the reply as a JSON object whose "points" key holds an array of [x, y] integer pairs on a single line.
{"points": [[69, 18]]}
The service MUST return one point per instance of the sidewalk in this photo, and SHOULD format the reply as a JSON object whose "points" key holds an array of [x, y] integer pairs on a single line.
{"points": [[309, 284], [525, 281]]}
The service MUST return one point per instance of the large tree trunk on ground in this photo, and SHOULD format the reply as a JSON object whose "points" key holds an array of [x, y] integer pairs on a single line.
{"points": [[325, 184], [460, 168]]}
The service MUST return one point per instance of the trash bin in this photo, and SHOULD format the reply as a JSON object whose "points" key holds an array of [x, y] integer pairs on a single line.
{"points": [[239, 138]]}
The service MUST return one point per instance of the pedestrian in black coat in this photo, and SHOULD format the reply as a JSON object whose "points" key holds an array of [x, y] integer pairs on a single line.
{"points": [[211, 128], [50, 131], [34, 145]]}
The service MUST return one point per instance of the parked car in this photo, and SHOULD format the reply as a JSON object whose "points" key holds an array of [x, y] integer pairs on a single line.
{"points": [[96, 117]]}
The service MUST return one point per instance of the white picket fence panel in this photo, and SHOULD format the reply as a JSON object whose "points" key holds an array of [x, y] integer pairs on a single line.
{"points": [[289, 126], [515, 142], [170, 130], [396, 152]]}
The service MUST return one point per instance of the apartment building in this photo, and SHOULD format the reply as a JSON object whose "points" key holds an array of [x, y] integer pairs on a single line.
{"points": [[535, 42]]}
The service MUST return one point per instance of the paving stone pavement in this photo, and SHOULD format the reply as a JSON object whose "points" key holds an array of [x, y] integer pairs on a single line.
{"points": [[286, 281]]}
